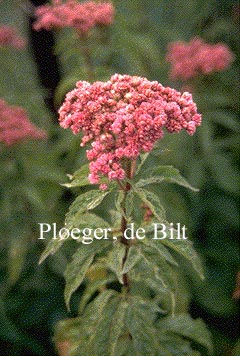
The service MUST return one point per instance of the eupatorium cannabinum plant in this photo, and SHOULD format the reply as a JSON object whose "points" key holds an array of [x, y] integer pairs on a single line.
{"points": [[129, 303]]}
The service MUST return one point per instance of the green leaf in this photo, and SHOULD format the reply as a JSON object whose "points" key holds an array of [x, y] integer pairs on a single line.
{"points": [[76, 270], [129, 205], [100, 311], [140, 324], [77, 220], [17, 256], [154, 273], [236, 350], [153, 202], [133, 257], [92, 288], [52, 247], [119, 201], [115, 260], [165, 174], [162, 250], [185, 248], [85, 202], [79, 178], [186, 327], [143, 158], [118, 326]]}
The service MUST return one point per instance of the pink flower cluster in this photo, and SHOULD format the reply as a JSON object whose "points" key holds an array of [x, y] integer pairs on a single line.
{"points": [[9, 37], [122, 118], [80, 16], [197, 57], [15, 125]]}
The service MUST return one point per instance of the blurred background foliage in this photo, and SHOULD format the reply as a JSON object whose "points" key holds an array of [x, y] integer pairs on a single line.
{"points": [[37, 78]]}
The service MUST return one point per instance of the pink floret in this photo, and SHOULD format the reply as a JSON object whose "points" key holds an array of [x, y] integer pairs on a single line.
{"points": [[124, 117], [15, 126], [188, 60], [80, 16], [10, 38]]}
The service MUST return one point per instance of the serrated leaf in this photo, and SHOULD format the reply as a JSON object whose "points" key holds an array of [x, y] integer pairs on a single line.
{"points": [[115, 260], [52, 247], [96, 313], [119, 201], [154, 273], [79, 178], [185, 248], [133, 257], [143, 158], [91, 289], [186, 327], [163, 252], [163, 272], [165, 174], [95, 202], [83, 203], [76, 270], [118, 327], [140, 324], [129, 206], [153, 202]]}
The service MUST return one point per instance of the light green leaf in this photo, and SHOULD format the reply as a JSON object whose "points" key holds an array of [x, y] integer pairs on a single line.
{"points": [[79, 178], [119, 201], [140, 324], [97, 312], [76, 270], [162, 250], [133, 257], [115, 260], [152, 202], [92, 288], [129, 206], [52, 247], [78, 220], [83, 203], [186, 327], [185, 248], [165, 174], [143, 158], [118, 326], [95, 202]]}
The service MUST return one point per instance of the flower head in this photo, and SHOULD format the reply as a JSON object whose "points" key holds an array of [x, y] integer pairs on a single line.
{"points": [[197, 57], [15, 125], [123, 117], [80, 16], [10, 37]]}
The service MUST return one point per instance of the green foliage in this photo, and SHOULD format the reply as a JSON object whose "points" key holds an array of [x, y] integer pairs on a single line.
{"points": [[122, 321], [152, 318]]}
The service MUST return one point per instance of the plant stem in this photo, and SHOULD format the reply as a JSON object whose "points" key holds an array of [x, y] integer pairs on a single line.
{"points": [[130, 167]]}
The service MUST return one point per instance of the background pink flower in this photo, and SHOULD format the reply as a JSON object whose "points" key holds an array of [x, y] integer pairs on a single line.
{"points": [[80, 16], [197, 57], [10, 37], [15, 126]]}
